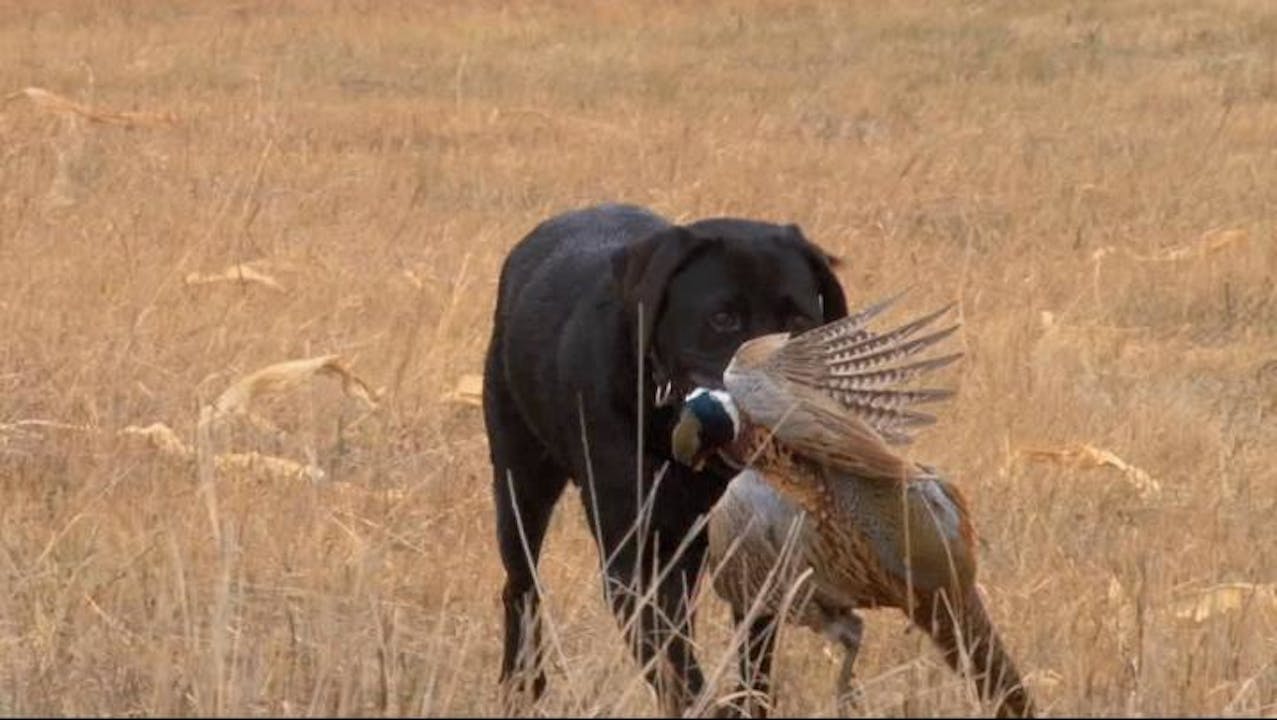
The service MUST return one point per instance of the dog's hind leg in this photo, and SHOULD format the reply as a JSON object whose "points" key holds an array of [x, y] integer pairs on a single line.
{"points": [[526, 485], [523, 514], [683, 680], [524, 507]]}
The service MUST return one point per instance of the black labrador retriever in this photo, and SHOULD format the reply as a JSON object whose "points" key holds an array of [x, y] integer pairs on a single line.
{"points": [[605, 318]]}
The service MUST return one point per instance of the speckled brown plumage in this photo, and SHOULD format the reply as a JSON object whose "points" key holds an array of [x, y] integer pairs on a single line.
{"points": [[876, 530]]}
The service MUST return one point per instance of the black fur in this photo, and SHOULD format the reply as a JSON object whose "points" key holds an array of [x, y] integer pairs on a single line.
{"points": [[585, 300]]}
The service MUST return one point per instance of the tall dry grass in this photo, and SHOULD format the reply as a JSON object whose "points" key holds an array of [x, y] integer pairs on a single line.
{"points": [[1096, 183]]}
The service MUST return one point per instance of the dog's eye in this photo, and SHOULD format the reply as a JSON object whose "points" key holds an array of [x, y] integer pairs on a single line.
{"points": [[725, 321]]}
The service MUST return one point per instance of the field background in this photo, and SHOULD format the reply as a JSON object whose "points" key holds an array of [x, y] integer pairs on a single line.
{"points": [[1095, 181]]}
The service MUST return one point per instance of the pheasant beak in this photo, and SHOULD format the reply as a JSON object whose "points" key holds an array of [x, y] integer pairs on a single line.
{"points": [[686, 440]]}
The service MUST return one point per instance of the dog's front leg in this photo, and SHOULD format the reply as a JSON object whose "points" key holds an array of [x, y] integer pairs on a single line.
{"points": [[652, 555], [654, 611]]}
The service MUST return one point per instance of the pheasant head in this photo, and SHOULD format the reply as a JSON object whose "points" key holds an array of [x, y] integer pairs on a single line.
{"points": [[708, 422]]}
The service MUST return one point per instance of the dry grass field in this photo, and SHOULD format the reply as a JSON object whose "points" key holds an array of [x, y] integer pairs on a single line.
{"points": [[1095, 181]]}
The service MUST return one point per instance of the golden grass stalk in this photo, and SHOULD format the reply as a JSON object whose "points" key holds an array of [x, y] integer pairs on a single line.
{"points": [[160, 437], [468, 390], [238, 273], [52, 102], [1224, 598], [238, 400], [1208, 244], [250, 464], [281, 377], [255, 464], [1087, 456]]}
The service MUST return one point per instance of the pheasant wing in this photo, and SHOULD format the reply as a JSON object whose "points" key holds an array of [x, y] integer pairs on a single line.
{"points": [[864, 371], [817, 430]]}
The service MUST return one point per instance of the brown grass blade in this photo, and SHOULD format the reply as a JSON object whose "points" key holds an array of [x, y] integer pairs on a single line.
{"points": [[1208, 244], [160, 437], [1086, 456], [52, 102], [1223, 599], [243, 273], [281, 377], [265, 467], [468, 391], [163, 439]]}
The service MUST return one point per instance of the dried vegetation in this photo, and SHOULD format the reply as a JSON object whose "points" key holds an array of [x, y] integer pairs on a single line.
{"points": [[190, 192]]}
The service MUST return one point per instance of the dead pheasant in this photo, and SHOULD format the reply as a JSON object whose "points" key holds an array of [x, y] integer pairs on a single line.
{"points": [[814, 415]]}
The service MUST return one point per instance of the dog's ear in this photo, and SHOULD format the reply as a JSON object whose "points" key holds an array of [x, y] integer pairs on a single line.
{"points": [[833, 300], [644, 268]]}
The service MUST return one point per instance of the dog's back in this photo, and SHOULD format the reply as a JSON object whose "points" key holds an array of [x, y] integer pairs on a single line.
{"points": [[570, 251]]}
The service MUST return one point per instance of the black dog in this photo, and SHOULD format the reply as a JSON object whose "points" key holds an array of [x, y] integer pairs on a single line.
{"points": [[605, 318]]}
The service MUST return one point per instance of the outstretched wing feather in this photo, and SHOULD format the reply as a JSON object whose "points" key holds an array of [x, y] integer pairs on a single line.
{"points": [[886, 377], [862, 370], [852, 326], [884, 399], [846, 363], [862, 346]]}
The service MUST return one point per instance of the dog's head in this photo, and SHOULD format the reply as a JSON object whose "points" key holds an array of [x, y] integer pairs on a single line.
{"points": [[696, 292]]}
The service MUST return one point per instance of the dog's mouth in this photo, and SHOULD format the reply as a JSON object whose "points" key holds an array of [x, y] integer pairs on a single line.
{"points": [[671, 392]]}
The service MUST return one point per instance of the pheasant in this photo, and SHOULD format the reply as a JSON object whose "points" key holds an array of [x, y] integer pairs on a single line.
{"points": [[813, 415], [756, 543]]}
